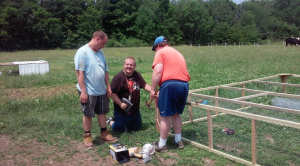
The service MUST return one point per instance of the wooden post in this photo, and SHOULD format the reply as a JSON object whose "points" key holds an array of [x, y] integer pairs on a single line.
{"points": [[216, 101], [209, 126], [243, 94], [284, 78], [253, 141], [157, 117], [190, 108]]}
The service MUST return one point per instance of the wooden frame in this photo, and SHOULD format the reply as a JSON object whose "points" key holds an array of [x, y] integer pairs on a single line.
{"points": [[244, 105]]}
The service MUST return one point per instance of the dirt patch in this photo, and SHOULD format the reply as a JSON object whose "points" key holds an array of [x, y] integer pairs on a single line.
{"points": [[270, 138], [167, 161], [35, 93], [209, 162], [230, 147], [31, 152], [44, 92]]}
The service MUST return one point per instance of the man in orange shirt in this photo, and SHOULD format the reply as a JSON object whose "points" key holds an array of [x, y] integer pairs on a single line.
{"points": [[171, 75]]}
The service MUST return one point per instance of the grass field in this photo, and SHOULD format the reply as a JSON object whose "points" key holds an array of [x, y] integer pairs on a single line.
{"points": [[45, 108]]}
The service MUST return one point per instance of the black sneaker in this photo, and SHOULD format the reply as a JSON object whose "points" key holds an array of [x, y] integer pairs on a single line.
{"points": [[160, 150], [109, 119]]}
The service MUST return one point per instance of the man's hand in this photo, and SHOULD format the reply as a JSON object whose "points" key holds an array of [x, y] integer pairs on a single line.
{"points": [[153, 94], [108, 92], [83, 97], [123, 106]]}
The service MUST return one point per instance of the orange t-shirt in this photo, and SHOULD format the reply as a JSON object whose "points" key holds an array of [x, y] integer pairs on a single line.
{"points": [[174, 65]]}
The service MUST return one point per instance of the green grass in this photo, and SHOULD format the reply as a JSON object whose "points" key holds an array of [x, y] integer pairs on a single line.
{"points": [[53, 116]]}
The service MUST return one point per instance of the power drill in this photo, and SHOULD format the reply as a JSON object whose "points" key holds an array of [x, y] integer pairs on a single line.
{"points": [[128, 103]]}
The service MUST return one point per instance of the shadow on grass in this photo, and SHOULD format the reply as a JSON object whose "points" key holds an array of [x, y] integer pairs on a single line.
{"points": [[97, 141]]}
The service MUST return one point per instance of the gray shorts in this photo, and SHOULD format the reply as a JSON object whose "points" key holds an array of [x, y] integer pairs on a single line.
{"points": [[95, 105]]}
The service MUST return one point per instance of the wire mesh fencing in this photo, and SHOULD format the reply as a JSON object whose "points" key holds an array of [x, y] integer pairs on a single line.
{"points": [[255, 122]]}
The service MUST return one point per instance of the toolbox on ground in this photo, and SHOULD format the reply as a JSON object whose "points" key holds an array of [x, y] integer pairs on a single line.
{"points": [[119, 153]]}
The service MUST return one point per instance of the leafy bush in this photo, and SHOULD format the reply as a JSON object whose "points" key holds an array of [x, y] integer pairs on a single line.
{"points": [[133, 42], [114, 43]]}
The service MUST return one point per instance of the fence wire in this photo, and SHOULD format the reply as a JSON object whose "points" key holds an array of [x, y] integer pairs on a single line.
{"points": [[275, 144]]}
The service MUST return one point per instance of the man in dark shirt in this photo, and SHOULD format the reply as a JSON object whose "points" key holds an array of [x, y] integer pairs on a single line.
{"points": [[127, 84]]}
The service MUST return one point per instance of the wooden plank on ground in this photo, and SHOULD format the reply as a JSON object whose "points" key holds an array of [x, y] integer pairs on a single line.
{"points": [[228, 156]]}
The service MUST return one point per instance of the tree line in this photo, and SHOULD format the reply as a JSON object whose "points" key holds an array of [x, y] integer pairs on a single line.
{"points": [[66, 24]]}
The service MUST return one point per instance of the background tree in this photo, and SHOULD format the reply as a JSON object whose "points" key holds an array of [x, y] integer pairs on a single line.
{"points": [[225, 15], [48, 24], [8, 14], [121, 17], [68, 13], [288, 11], [194, 21], [145, 22], [222, 11], [28, 26], [254, 10], [167, 24]]}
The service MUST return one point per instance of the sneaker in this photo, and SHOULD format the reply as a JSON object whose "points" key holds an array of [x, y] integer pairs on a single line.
{"points": [[109, 119], [107, 137], [178, 144], [158, 149], [87, 140]]}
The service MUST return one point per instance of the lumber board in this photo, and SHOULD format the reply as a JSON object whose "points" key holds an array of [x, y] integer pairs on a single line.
{"points": [[251, 96], [269, 107], [261, 91], [249, 115], [277, 83], [228, 156], [233, 84]]}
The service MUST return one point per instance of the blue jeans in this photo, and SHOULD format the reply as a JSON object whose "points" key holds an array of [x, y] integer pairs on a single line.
{"points": [[125, 122]]}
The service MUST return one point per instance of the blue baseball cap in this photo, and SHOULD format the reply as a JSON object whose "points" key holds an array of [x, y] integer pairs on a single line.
{"points": [[158, 40]]}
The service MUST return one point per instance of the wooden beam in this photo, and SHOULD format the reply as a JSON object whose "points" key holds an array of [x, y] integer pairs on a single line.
{"points": [[216, 101], [295, 75], [190, 109], [269, 107], [251, 96], [260, 91], [249, 115], [205, 118], [277, 83], [253, 141], [209, 130], [157, 118], [258, 80], [243, 93], [202, 119], [233, 84], [228, 156], [284, 79]]}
